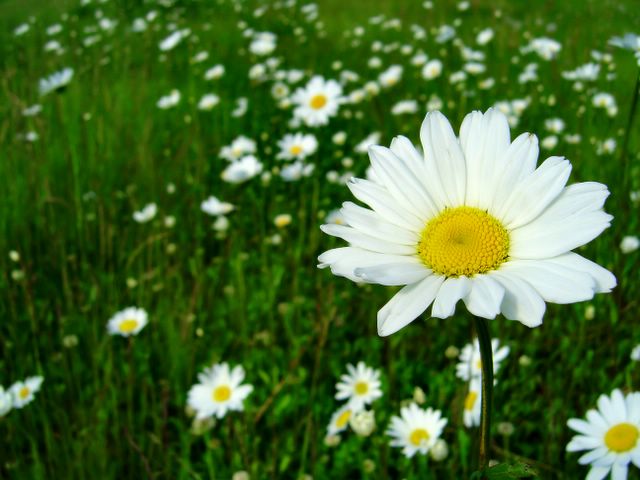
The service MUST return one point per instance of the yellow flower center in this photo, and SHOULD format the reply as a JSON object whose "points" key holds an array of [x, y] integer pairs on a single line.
{"points": [[361, 388], [221, 393], [621, 437], [128, 325], [343, 418], [24, 392], [470, 401], [463, 241], [418, 436], [295, 150], [318, 101], [479, 364]]}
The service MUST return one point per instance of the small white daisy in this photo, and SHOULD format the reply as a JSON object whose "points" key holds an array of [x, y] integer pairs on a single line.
{"points": [[240, 147], [416, 430], [472, 404], [340, 420], [214, 207], [242, 170], [55, 81], [360, 386], [317, 101], [127, 322], [24, 392], [6, 401], [219, 391], [611, 435], [297, 146], [146, 214], [470, 364]]}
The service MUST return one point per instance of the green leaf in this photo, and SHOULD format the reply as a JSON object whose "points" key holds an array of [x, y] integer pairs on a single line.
{"points": [[505, 471]]}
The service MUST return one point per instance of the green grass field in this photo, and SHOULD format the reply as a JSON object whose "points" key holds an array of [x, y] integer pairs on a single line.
{"points": [[114, 407]]}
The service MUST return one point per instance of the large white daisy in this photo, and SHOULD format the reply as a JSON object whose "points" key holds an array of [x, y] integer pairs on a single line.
{"points": [[611, 435], [472, 219]]}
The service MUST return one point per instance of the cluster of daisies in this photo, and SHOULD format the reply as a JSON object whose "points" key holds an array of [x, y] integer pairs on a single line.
{"points": [[19, 394]]}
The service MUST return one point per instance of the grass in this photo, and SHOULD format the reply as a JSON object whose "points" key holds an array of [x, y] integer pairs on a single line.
{"points": [[115, 408]]}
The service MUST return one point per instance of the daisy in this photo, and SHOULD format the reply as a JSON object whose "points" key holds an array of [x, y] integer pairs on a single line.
{"points": [[416, 430], [169, 101], [297, 146], [55, 81], [6, 401], [470, 365], [296, 170], [214, 207], [146, 214], [24, 392], [472, 220], [127, 322], [219, 391], [472, 404], [610, 434], [340, 420], [360, 386], [208, 101], [317, 101], [240, 147], [390, 76], [242, 170]]}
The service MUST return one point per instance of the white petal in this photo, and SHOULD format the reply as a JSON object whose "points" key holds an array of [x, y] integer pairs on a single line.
{"points": [[484, 140], [380, 200], [593, 455], [452, 290], [367, 242], [534, 193], [619, 472], [401, 182], [485, 297], [604, 280], [583, 427], [372, 223], [555, 283], [519, 161], [406, 151], [443, 153], [407, 305], [581, 442], [541, 239], [598, 473], [391, 274], [521, 302], [343, 261]]}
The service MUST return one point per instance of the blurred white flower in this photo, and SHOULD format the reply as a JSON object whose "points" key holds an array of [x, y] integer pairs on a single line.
{"points": [[146, 214], [127, 322]]}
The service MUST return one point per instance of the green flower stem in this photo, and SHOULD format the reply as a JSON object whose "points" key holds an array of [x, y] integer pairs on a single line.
{"points": [[484, 339]]}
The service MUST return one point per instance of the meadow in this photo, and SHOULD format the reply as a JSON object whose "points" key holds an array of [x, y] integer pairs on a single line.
{"points": [[83, 154]]}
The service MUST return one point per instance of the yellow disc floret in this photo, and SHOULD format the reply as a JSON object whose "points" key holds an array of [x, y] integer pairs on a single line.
{"points": [[463, 241], [318, 101], [221, 393], [24, 393], [128, 325], [295, 150], [343, 418], [418, 436], [470, 401], [621, 437], [361, 388]]}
